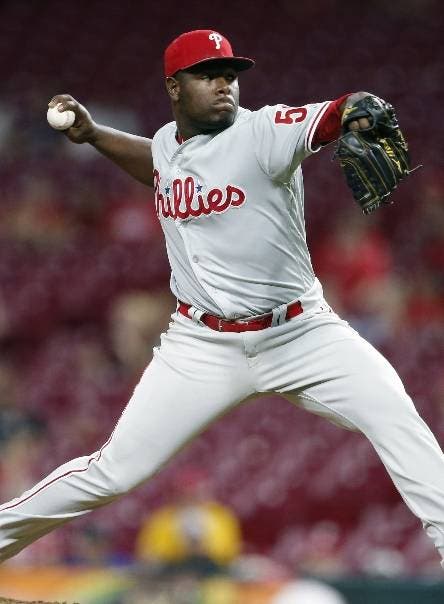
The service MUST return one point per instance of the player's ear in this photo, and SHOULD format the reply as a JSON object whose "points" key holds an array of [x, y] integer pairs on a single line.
{"points": [[173, 88]]}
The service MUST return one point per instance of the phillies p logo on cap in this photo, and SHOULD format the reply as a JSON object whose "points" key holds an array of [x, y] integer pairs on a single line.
{"points": [[194, 47], [217, 39]]}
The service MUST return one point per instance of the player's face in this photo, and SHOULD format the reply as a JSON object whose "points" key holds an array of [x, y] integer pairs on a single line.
{"points": [[207, 96]]}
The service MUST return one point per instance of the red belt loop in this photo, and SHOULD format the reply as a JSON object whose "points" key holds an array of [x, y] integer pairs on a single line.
{"points": [[218, 324]]}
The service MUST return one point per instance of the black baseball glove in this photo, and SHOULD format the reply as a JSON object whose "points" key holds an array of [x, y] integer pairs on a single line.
{"points": [[374, 159]]}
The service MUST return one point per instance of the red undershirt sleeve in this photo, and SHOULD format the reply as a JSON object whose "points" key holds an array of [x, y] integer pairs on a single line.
{"points": [[329, 127]]}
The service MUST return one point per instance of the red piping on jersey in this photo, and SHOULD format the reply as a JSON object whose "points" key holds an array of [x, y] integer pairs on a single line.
{"points": [[329, 127], [313, 127]]}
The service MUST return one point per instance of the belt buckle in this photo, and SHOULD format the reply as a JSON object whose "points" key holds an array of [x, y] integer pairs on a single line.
{"points": [[219, 325]]}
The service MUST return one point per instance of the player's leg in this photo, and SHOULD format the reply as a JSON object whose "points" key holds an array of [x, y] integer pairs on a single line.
{"points": [[195, 376], [332, 371]]}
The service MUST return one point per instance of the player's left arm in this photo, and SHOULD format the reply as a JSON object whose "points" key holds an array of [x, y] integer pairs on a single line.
{"points": [[329, 127], [284, 135]]}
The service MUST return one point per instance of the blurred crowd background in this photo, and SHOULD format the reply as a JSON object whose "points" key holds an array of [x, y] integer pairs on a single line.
{"points": [[84, 275]]}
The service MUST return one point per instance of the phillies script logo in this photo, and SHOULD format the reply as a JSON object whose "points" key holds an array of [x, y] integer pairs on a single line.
{"points": [[184, 198]]}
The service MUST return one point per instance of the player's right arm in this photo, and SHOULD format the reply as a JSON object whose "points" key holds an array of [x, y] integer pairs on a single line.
{"points": [[130, 152]]}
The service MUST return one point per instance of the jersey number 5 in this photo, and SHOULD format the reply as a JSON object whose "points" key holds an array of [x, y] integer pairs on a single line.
{"points": [[292, 115]]}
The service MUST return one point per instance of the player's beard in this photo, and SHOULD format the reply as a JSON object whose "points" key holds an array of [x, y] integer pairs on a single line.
{"points": [[221, 120]]}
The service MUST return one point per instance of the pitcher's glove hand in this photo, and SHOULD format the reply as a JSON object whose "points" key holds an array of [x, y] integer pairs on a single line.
{"points": [[373, 159]]}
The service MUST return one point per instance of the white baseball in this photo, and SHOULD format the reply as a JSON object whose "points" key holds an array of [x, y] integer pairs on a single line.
{"points": [[60, 120]]}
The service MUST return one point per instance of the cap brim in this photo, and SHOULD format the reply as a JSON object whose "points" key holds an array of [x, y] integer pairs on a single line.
{"points": [[238, 63]]}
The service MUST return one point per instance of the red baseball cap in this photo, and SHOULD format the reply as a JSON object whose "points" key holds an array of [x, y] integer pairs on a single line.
{"points": [[200, 45]]}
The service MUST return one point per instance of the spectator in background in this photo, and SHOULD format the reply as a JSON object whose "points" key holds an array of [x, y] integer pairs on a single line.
{"points": [[193, 535], [356, 266], [20, 435], [135, 320], [33, 214], [353, 261], [12, 420]]}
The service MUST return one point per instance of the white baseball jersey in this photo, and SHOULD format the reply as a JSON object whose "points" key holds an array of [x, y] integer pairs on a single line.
{"points": [[231, 205]]}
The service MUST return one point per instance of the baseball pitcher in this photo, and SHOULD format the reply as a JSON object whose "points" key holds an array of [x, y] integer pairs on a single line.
{"points": [[251, 316]]}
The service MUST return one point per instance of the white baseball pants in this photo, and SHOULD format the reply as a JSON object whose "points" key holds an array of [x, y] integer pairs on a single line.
{"points": [[315, 360]]}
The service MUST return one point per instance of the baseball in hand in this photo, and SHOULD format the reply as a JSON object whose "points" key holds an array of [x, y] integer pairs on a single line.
{"points": [[60, 120]]}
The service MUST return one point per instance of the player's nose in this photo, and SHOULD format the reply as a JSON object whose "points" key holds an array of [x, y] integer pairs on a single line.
{"points": [[222, 84]]}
